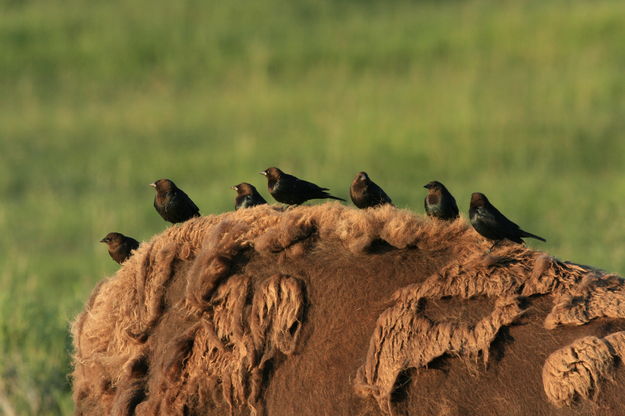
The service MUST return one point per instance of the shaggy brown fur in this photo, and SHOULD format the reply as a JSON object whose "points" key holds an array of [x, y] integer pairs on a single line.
{"points": [[331, 310]]}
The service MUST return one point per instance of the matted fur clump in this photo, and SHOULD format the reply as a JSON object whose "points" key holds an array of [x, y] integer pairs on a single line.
{"points": [[331, 310], [577, 370]]}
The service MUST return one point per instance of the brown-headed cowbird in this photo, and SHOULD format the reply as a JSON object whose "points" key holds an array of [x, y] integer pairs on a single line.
{"points": [[492, 224], [439, 202], [365, 193], [120, 246], [172, 203], [247, 196], [290, 190]]}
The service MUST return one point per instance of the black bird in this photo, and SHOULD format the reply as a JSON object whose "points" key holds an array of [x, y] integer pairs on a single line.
{"points": [[247, 196], [492, 224], [172, 203], [120, 246], [365, 193], [439, 202], [290, 190]]}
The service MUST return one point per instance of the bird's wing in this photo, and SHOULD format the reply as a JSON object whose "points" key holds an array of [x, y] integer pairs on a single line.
{"points": [[378, 193], [309, 186], [504, 221], [505, 228], [386, 199], [287, 183], [489, 216], [134, 244], [454, 205], [192, 205], [187, 202]]}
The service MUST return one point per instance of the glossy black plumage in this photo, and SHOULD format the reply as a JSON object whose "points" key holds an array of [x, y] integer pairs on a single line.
{"points": [[247, 196], [365, 193], [172, 203], [439, 202], [120, 247], [492, 224], [290, 190]]}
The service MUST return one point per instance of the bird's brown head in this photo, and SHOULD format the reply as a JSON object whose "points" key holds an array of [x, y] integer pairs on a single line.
{"points": [[434, 186], [361, 177], [163, 185], [112, 239], [244, 188], [272, 173], [478, 200]]}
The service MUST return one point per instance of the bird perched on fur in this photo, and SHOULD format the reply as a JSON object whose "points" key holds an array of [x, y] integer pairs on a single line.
{"points": [[172, 203], [492, 224], [439, 202], [365, 193], [290, 190], [247, 196], [120, 246]]}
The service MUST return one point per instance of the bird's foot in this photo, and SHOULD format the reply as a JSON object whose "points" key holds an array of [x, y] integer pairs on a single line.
{"points": [[494, 246]]}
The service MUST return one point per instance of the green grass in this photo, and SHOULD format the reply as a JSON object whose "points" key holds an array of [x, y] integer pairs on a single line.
{"points": [[524, 101]]}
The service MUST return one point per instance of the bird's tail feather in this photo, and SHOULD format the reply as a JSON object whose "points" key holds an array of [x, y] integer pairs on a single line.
{"points": [[526, 234], [335, 197]]}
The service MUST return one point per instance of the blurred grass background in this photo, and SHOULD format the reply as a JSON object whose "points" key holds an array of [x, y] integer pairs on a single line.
{"points": [[521, 100]]}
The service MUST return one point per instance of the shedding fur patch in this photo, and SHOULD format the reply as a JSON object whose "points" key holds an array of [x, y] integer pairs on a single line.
{"points": [[243, 328], [577, 370], [405, 338], [595, 297]]}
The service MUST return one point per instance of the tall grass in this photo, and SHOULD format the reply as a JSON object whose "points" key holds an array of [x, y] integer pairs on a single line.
{"points": [[524, 101]]}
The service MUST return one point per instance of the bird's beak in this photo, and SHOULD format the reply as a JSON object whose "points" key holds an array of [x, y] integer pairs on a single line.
{"points": [[263, 173], [153, 185], [103, 240], [235, 188], [426, 187]]}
